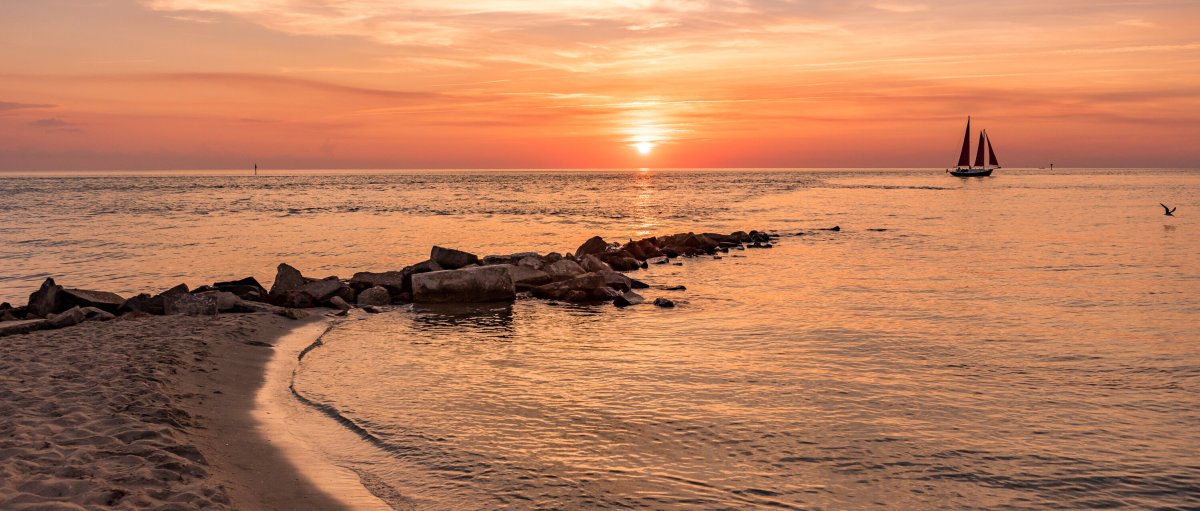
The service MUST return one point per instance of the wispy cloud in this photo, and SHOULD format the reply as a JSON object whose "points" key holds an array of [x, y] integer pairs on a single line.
{"points": [[11, 105]]}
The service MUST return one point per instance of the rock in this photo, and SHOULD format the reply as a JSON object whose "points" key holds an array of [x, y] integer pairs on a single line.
{"points": [[322, 290], [624, 264], [643, 249], [226, 301], [663, 302], [526, 278], [338, 303], [616, 280], [10, 313], [564, 269], [46, 300], [377, 295], [93, 313], [531, 262], [559, 290], [21, 326], [371, 309], [253, 306], [628, 298], [189, 304], [637, 284], [294, 299], [452, 259], [392, 281], [470, 285], [645, 265], [591, 263], [151, 304], [689, 243], [294, 314], [594, 245], [662, 260], [507, 259], [287, 278], [604, 294], [674, 288], [246, 289], [576, 296], [552, 257], [72, 316]]}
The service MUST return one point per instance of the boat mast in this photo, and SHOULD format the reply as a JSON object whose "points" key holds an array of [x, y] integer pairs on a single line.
{"points": [[964, 158]]}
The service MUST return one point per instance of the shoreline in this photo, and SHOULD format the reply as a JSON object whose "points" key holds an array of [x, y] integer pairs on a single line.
{"points": [[276, 467], [178, 411]]}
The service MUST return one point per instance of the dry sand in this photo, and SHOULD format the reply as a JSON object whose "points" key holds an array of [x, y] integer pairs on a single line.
{"points": [[150, 412]]}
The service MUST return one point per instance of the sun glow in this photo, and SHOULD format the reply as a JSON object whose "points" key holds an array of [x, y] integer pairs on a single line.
{"points": [[644, 147]]}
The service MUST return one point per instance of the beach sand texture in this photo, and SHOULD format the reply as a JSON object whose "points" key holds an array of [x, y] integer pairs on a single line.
{"points": [[149, 412]]}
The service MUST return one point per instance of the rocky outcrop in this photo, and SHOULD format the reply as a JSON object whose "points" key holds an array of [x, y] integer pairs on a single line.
{"points": [[468, 285], [338, 303], [377, 295], [225, 300], [452, 259]]}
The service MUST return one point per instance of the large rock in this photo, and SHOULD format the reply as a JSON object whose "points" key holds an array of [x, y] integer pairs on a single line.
{"points": [[564, 269], [558, 290], [191, 305], [395, 282], [252, 306], [616, 280], [72, 316], [46, 300], [594, 245], [452, 259], [623, 263], [377, 295], [526, 278], [534, 262], [226, 301], [151, 304], [21, 326], [591, 263], [246, 289], [103, 300], [338, 303], [287, 279], [322, 290], [479, 284]]}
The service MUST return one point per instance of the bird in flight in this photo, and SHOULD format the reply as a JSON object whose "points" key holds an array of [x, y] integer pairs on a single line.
{"points": [[1168, 211]]}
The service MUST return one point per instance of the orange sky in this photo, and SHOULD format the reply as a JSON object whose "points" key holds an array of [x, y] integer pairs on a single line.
{"points": [[212, 84]]}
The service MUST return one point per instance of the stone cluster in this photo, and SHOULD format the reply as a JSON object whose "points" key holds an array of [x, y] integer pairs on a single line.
{"points": [[594, 273]]}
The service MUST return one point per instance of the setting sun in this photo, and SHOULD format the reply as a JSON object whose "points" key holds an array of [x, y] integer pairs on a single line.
{"points": [[644, 147]]}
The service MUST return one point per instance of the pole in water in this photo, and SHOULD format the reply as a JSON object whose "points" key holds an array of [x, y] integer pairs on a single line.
{"points": [[256, 169], [1051, 166]]}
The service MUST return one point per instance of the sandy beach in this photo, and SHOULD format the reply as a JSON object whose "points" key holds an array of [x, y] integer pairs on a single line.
{"points": [[154, 412]]}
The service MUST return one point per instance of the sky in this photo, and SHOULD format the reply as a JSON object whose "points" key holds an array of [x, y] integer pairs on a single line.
{"points": [[367, 84]]}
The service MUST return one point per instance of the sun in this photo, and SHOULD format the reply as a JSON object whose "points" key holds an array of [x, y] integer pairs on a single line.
{"points": [[644, 147]]}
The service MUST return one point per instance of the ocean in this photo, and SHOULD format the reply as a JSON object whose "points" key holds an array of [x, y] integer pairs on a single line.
{"points": [[1025, 341]]}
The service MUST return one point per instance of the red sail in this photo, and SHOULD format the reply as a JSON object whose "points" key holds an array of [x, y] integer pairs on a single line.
{"points": [[979, 154], [991, 154], [964, 159]]}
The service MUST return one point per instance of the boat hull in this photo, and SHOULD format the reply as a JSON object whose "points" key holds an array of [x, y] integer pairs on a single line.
{"points": [[971, 172]]}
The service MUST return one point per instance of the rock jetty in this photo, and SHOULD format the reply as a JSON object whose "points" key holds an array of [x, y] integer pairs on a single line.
{"points": [[596, 272]]}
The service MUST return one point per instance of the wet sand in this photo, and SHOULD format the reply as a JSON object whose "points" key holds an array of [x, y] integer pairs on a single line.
{"points": [[168, 412]]}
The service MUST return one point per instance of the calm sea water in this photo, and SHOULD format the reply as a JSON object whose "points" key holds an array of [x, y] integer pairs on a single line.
{"points": [[1026, 341]]}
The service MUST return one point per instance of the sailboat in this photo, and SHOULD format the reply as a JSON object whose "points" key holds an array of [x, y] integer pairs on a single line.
{"points": [[980, 168]]}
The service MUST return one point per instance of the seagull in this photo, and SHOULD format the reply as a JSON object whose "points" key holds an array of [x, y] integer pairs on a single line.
{"points": [[1167, 211]]}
